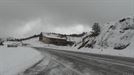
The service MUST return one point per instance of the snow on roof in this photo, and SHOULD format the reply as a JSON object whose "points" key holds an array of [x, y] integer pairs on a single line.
{"points": [[53, 35]]}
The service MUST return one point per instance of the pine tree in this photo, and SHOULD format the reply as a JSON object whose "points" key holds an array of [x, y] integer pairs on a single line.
{"points": [[96, 29]]}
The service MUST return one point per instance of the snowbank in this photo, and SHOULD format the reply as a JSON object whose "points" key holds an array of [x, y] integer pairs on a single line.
{"points": [[16, 60]]}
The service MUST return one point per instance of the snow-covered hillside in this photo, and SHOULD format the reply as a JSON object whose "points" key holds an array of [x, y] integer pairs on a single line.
{"points": [[117, 35]]}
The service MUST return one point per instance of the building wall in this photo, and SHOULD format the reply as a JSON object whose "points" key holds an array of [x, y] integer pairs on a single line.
{"points": [[46, 40], [55, 41]]}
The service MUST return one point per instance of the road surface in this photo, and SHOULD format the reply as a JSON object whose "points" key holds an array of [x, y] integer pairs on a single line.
{"points": [[62, 62]]}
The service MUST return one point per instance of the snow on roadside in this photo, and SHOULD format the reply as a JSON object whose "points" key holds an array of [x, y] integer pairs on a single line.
{"points": [[34, 42], [16, 60], [128, 52]]}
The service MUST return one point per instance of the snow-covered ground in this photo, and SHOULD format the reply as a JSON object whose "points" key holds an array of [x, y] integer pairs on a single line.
{"points": [[34, 42], [128, 52], [16, 60]]}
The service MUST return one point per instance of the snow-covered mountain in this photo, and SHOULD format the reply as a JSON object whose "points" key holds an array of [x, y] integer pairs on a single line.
{"points": [[117, 35]]}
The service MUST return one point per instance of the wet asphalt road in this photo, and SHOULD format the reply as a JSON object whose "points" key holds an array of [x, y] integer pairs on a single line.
{"points": [[75, 63]]}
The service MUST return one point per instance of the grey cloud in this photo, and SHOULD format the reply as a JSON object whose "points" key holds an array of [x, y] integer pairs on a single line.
{"points": [[16, 13]]}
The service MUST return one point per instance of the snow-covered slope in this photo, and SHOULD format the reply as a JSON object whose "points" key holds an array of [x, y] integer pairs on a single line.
{"points": [[117, 35]]}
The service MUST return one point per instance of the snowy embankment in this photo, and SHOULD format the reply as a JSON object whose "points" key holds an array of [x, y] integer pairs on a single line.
{"points": [[16, 60], [128, 52]]}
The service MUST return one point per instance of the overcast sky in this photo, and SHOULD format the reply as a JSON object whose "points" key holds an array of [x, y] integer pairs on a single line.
{"points": [[27, 17]]}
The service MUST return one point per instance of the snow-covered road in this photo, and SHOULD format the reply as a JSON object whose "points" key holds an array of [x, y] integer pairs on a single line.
{"points": [[74, 63]]}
